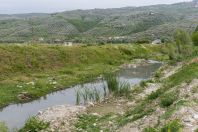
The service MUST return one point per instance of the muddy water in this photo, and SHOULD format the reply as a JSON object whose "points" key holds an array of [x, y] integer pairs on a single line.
{"points": [[15, 115]]}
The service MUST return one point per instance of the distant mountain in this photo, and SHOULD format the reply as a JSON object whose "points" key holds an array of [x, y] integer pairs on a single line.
{"points": [[129, 24]]}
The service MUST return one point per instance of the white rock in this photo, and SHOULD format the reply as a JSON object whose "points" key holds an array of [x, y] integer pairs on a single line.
{"points": [[91, 104], [94, 124], [195, 116], [54, 83], [95, 114]]}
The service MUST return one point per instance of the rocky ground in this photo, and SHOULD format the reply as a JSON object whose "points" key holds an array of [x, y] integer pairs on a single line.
{"points": [[60, 117], [188, 114]]}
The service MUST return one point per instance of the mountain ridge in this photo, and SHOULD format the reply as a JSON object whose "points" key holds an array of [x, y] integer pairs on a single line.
{"points": [[127, 24]]}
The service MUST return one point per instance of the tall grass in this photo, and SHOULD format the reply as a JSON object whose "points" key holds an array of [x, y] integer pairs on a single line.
{"points": [[116, 87], [112, 82], [87, 95], [123, 90], [113, 87]]}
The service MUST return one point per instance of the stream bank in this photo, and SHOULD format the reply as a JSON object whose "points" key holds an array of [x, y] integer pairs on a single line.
{"points": [[132, 73], [167, 101]]}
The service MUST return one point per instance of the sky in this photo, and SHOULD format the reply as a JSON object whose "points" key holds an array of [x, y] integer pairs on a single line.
{"points": [[49, 6]]}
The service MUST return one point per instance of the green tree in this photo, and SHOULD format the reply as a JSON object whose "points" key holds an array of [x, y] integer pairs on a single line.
{"points": [[182, 39], [195, 37]]}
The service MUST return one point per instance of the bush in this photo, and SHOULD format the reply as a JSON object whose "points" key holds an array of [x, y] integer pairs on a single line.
{"points": [[181, 38], [195, 38], [143, 84], [171, 51], [149, 129], [34, 125], [167, 99], [126, 51], [158, 74], [155, 94], [173, 126]]}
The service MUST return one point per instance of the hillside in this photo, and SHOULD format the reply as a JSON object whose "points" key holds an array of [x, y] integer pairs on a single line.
{"points": [[129, 24]]}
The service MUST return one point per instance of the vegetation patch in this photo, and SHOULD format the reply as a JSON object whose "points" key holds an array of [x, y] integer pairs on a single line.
{"points": [[155, 94], [34, 125], [92, 123], [168, 99], [88, 95], [170, 110], [113, 87], [3, 127], [118, 89], [172, 126]]}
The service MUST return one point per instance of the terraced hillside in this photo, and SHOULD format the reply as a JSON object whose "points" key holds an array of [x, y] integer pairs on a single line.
{"points": [[127, 24]]}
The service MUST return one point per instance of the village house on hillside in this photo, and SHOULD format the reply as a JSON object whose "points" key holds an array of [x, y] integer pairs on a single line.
{"points": [[62, 42], [68, 43]]}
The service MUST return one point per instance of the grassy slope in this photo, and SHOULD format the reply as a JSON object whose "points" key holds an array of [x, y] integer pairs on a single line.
{"points": [[147, 106], [49, 68]]}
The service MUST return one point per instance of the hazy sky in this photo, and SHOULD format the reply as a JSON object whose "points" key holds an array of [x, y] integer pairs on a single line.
{"points": [[30, 6]]}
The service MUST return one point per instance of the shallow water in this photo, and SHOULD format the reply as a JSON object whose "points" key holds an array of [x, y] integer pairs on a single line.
{"points": [[15, 115]]}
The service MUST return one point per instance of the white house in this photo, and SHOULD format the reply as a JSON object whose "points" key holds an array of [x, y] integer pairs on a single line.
{"points": [[68, 43]]}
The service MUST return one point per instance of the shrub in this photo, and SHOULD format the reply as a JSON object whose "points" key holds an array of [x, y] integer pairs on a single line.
{"points": [[34, 125], [158, 74], [149, 129], [171, 51], [126, 51], [181, 38], [167, 99], [143, 84], [155, 94], [195, 38], [173, 126]]}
